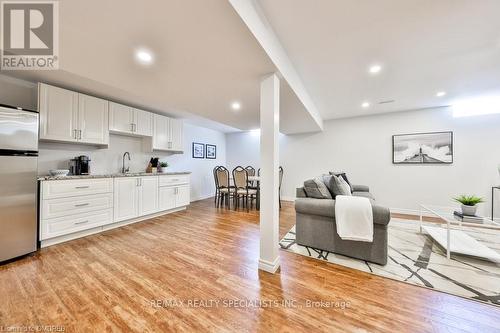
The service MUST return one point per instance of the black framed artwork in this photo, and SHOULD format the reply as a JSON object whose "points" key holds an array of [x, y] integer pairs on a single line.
{"points": [[423, 148], [210, 151], [198, 150]]}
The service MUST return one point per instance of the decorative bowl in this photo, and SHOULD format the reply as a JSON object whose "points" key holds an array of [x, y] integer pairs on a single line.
{"points": [[59, 173]]}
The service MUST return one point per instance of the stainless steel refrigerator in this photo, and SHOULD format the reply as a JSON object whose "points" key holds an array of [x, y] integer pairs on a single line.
{"points": [[18, 182]]}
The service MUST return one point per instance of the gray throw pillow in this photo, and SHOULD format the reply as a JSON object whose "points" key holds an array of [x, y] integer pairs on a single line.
{"points": [[335, 186], [343, 175], [315, 188]]}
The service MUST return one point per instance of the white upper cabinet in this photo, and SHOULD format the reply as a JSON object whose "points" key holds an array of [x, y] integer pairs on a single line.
{"points": [[176, 134], [161, 135], [93, 120], [72, 117], [167, 134], [121, 118], [58, 113], [129, 121], [69, 116], [143, 123]]}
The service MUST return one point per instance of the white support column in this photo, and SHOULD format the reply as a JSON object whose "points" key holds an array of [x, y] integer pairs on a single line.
{"points": [[269, 184]]}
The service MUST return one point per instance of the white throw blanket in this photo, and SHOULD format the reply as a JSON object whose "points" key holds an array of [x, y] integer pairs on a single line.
{"points": [[354, 218]]}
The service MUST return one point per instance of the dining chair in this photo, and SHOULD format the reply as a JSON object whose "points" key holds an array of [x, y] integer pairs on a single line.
{"points": [[280, 182], [226, 191], [242, 189], [217, 193]]}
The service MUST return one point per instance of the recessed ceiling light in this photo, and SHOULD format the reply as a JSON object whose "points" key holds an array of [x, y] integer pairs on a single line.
{"points": [[144, 57], [440, 93], [375, 69], [235, 106], [365, 105]]}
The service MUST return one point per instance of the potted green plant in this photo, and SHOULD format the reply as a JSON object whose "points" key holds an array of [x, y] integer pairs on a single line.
{"points": [[162, 167], [469, 203]]}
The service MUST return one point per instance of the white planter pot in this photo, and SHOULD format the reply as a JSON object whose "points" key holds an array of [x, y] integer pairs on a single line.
{"points": [[469, 210]]}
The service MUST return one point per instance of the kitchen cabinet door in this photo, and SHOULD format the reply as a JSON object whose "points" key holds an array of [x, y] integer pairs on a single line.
{"points": [[182, 196], [143, 121], [126, 198], [93, 120], [58, 114], [121, 118], [148, 195], [176, 135], [167, 198], [161, 134]]}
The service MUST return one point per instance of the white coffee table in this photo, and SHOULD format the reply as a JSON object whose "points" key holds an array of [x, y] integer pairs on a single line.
{"points": [[452, 234]]}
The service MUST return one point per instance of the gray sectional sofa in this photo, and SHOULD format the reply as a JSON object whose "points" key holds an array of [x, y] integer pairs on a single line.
{"points": [[316, 227]]}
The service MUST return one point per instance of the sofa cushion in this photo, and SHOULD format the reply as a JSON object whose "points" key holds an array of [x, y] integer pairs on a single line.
{"points": [[335, 186], [367, 195], [360, 188], [343, 175], [315, 188]]}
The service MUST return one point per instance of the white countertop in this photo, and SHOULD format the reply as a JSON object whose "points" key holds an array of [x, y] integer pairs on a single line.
{"points": [[113, 175]]}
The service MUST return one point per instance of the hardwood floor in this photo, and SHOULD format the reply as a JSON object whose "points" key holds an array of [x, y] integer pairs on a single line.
{"points": [[115, 281]]}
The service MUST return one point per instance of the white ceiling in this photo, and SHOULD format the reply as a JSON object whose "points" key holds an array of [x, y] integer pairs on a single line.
{"points": [[424, 46], [205, 58]]}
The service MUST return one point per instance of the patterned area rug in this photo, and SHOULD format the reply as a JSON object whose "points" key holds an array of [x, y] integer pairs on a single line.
{"points": [[415, 258]]}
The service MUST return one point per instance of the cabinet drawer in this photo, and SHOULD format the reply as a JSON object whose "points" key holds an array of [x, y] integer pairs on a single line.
{"points": [[76, 205], [60, 226], [75, 187], [174, 180]]}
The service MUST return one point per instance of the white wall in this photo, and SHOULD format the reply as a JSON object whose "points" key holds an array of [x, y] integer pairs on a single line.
{"points": [[363, 148], [104, 161]]}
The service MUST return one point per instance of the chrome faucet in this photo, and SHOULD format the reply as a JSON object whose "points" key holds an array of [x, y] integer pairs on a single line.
{"points": [[125, 170]]}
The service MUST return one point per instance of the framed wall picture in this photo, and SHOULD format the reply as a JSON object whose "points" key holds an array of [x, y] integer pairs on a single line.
{"points": [[211, 151], [198, 150], [423, 148]]}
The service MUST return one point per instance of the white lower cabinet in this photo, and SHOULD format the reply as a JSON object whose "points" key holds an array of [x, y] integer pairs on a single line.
{"points": [[148, 195], [77, 207], [174, 196], [167, 198], [126, 198]]}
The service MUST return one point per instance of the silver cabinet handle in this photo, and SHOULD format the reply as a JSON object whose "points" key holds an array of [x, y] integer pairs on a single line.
{"points": [[80, 134], [75, 134], [82, 222], [80, 187], [131, 127], [82, 205]]}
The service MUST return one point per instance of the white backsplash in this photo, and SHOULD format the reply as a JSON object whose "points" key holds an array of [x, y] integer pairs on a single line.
{"points": [[107, 160]]}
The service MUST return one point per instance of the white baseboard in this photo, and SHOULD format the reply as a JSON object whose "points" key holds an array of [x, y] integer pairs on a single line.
{"points": [[270, 267], [411, 212], [284, 198], [202, 197]]}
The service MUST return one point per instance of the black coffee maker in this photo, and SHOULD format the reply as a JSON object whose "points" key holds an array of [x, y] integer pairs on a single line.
{"points": [[80, 165]]}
